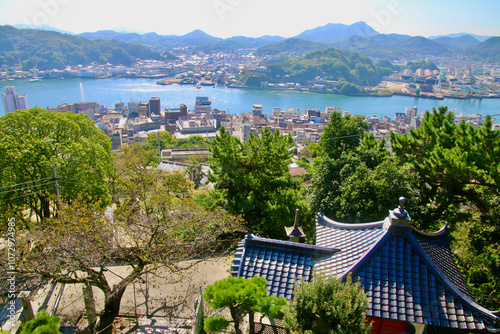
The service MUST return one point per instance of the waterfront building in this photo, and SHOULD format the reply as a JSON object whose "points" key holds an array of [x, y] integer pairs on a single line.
{"points": [[133, 109], [120, 106], [257, 109], [13, 101], [410, 114], [202, 105]]}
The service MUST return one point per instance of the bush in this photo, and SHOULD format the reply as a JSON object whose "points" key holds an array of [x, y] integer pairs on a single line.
{"points": [[327, 305], [215, 324], [42, 324]]}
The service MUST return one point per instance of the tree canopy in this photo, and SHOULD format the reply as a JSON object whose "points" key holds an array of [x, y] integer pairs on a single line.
{"points": [[242, 296], [353, 177], [252, 178], [459, 173], [153, 225], [42, 324], [35, 139]]}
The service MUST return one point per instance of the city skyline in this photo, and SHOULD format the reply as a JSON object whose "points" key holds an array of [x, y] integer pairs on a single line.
{"points": [[226, 18]]}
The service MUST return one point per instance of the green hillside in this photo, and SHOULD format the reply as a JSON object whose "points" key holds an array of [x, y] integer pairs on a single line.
{"points": [[488, 50], [289, 45], [55, 50], [331, 65]]}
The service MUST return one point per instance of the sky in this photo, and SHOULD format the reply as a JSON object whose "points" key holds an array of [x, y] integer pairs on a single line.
{"points": [[254, 18]]}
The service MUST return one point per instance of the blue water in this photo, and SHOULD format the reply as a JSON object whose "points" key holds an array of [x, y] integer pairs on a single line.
{"points": [[50, 93]]}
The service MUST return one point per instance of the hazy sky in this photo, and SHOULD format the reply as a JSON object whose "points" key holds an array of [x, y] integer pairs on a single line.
{"points": [[224, 18]]}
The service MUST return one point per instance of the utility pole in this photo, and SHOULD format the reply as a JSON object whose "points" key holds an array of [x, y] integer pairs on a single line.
{"points": [[57, 185], [159, 149]]}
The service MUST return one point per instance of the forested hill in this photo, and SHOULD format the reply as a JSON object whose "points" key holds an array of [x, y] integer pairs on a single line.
{"points": [[55, 50], [290, 46], [488, 50], [330, 64]]}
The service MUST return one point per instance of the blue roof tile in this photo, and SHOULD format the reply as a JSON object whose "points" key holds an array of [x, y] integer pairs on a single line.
{"points": [[407, 275], [280, 262], [415, 288]]}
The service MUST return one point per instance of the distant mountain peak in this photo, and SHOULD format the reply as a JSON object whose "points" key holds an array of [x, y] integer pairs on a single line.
{"points": [[197, 33], [480, 38], [335, 32]]}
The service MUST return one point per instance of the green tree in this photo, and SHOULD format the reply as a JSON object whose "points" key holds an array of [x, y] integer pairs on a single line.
{"points": [[167, 140], [341, 134], [34, 139], [251, 178], [42, 324], [327, 305], [154, 227], [242, 296], [458, 168], [342, 147], [454, 162], [365, 194]]}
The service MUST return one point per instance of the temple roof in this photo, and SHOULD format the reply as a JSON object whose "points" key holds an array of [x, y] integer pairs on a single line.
{"points": [[280, 262], [407, 275]]}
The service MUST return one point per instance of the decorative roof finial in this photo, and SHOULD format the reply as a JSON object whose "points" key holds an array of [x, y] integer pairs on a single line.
{"points": [[400, 212], [295, 232]]}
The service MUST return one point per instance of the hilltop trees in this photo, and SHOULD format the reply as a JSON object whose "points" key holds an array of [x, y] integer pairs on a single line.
{"points": [[154, 226], [458, 166], [353, 178], [35, 139], [251, 178]]}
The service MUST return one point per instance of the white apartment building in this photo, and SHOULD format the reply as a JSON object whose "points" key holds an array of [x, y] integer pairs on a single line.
{"points": [[13, 101]]}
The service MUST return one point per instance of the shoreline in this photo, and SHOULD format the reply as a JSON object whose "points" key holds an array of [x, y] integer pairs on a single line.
{"points": [[166, 80], [430, 97], [108, 92]]}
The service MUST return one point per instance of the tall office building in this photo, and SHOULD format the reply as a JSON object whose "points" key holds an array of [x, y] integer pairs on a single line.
{"points": [[154, 106], [13, 101]]}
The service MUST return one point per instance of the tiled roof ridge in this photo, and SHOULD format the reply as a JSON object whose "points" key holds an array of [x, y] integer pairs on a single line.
{"points": [[444, 232], [447, 283], [322, 219], [367, 256], [316, 250]]}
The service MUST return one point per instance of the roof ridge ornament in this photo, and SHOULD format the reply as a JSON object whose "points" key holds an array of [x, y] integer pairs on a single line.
{"points": [[295, 232], [398, 216]]}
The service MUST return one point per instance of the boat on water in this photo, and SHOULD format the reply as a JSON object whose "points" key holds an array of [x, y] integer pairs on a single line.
{"points": [[35, 79]]}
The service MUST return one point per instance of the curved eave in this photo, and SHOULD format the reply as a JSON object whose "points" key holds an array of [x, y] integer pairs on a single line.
{"points": [[332, 223], [448, 284], [432, 235]]}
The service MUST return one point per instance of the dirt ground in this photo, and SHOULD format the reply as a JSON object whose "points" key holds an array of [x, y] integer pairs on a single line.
{"points": [[163, 295]]}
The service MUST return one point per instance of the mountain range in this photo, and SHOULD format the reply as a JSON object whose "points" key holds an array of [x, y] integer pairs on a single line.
{"points": [[358, 37]]}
